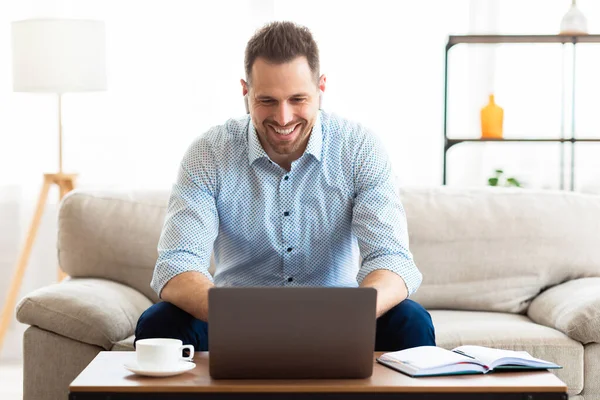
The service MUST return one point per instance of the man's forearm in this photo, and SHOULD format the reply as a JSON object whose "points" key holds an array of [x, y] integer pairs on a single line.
{"points": [[391, 289], [189, 291]]}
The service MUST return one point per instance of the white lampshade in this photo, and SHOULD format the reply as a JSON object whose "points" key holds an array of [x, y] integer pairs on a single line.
{"points": [[58, 55]]}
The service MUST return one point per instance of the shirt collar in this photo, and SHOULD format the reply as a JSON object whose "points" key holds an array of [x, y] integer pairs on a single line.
{"points": [[255, 149], [315, 142], [314, 146]]}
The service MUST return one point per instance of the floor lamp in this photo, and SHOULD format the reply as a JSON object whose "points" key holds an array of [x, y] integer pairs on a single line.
{"points": [[52, 56]]}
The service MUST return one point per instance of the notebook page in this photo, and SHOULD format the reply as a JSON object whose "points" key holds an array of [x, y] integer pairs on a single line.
{"points": [[425, 357], [489, 355]]}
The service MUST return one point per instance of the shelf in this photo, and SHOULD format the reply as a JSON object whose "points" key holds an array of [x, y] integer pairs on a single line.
{"points": [[522, 39], [452, 141], [491, 39]]}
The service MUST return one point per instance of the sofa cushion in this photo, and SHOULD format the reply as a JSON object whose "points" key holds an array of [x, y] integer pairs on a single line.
{"points": [[512, 332], [495, 249]]}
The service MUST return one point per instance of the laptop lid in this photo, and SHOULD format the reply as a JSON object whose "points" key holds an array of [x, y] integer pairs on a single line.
{"points": [[305, 332]]}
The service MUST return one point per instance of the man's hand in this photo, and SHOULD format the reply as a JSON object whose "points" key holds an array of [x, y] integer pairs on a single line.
{"points": [[391, 289], [189, 291]]}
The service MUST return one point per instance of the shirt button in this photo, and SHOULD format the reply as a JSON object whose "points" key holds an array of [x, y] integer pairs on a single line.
{"points": [[286, 178], [286, 213], [290, 279], [289, 249]]}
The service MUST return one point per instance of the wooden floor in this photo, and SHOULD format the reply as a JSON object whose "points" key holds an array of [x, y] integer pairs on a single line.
{"points": [[11, 381]]}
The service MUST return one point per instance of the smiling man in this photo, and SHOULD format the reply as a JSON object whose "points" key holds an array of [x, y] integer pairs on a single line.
{"points": [[287, 196]]}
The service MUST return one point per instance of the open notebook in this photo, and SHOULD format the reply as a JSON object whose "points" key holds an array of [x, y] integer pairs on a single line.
{"points": [[432, 360]]}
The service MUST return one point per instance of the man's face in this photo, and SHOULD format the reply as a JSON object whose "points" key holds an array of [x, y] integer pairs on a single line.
{"points": [[283, 101]]}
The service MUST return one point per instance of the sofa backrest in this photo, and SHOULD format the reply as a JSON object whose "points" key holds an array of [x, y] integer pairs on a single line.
{"points": [[495, 249], [112, 234], [488, 249]]}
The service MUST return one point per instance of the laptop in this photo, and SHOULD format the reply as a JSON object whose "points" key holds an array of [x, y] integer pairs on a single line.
{"points": [[293, 333]]}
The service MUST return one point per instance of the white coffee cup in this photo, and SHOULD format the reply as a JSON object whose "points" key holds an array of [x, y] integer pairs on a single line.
{"points": [[161, 354]]}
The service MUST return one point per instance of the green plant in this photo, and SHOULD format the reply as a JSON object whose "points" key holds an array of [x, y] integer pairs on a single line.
{"points": [[500, 179]]}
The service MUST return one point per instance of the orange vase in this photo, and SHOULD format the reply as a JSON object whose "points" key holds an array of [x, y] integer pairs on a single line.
{"points": [[492, 116]]}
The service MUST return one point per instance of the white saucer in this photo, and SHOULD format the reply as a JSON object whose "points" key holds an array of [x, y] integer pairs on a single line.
{"points": [[181, 367]]}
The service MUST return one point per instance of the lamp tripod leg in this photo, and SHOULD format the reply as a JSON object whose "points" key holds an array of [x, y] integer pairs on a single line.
{"points": [[65, 186], [9, 305]]}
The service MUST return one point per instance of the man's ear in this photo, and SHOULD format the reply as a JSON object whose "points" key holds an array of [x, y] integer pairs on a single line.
{"points": [[245, 94], [322, 82], [322, 85]]}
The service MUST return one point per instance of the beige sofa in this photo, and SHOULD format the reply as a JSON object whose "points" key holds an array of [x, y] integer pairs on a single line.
{"points": [[513, 269]]}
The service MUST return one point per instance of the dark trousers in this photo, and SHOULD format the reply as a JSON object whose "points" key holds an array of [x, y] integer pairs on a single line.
{"points": [[406, 325]]}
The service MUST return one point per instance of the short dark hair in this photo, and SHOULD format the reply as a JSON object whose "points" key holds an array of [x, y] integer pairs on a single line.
{"points": [[281, 42]]}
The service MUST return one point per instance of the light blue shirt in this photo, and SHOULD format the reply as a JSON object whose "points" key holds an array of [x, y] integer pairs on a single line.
{"points": [[270, 227]]}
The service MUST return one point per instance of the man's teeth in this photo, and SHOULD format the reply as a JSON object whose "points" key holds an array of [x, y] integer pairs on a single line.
{"points": [[284, 131]]}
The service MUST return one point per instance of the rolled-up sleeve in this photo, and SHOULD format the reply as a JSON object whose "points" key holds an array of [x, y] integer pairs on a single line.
{"points": [[378, 217], [191, 223]]}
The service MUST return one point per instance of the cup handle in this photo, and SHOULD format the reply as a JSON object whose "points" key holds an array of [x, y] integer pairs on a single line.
{"points": [[191, 349]]}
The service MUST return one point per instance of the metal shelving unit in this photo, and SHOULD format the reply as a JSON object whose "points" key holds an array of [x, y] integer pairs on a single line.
{"points": [[500, 39]]}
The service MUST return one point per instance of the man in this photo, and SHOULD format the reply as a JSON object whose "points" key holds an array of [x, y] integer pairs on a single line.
{"points": [[287, 196]]}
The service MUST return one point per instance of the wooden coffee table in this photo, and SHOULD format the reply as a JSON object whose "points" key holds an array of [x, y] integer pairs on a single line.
{"points": [[106, 378]]}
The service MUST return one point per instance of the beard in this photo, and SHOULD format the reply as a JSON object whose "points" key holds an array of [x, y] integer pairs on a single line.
{"points": [[286, 144]]}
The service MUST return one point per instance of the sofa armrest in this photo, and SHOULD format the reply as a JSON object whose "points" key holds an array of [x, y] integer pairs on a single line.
{"points": [[572, 307], [93, 311]]}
